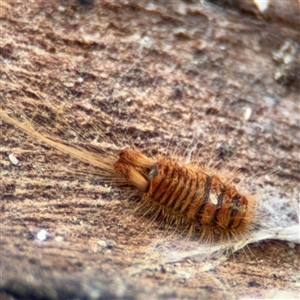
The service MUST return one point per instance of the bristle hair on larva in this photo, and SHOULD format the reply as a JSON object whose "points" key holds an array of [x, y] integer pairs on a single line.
{"points": [[187, 195], [201, 201]]}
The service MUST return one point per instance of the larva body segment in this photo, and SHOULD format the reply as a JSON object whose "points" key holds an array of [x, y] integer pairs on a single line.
{"points": [[187, 195]]}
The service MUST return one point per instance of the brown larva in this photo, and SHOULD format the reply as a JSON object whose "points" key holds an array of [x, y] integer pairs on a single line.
{"points": [[201, 201], [187, 195]]}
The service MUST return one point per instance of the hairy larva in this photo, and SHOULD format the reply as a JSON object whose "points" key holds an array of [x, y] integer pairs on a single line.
{"points": [[203, 202], [187, 195]]}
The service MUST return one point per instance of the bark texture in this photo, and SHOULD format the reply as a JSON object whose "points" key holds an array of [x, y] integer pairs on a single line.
{"points": [[226, 75]]}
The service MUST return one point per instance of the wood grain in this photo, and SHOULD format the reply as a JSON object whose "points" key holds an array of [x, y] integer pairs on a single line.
{"points": [[150, 71]]}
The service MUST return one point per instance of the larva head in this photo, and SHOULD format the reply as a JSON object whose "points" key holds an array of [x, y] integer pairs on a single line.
{"points": [[134, 167]]}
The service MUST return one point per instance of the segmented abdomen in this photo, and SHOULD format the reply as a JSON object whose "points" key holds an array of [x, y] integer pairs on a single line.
{"points": [[196, 195], [187, 195]]}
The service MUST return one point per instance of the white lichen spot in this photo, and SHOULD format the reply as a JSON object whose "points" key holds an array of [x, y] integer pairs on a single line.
{"points": [[102, 243], [223, 47], [286, 53], [151, 7], [61, 8], [288, 59], [42, 235], [80, 79], [181, 31], [69, 84], [146, 42], [59, 238], [94, 293], [262, 5], [278, 74], [180, 8], [267, 177], [106, 244], [247, 113], [13, 159]]}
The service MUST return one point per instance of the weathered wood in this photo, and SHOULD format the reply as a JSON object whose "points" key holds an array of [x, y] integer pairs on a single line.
{"points": [[225, 76]]}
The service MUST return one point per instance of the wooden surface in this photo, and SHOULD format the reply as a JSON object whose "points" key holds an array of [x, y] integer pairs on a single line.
{"points": [[160, 75]]}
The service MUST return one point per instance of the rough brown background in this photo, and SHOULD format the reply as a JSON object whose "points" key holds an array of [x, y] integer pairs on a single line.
{"points": [[147, 69]]}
